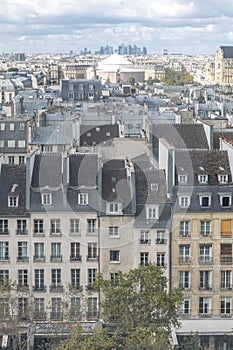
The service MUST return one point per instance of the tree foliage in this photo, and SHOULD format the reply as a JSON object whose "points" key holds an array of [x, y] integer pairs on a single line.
{"points": [[177, 78], [130, 80], [191, 341]]}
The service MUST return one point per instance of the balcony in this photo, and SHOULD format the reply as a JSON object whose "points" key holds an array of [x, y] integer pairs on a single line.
{"points": [[22, 259], [56, 233], [205, 259], [205, 234], [225, 286], [184, 259], [4, 259], [225, 313], [226, 259], [21, 232], [39, 258], [41, 289], [161, 241], [39, 233], [145, 241], [56, 288], [205, 313], [92, 257], [185, 234], [75, 258], [54, 258], [5, 231]]}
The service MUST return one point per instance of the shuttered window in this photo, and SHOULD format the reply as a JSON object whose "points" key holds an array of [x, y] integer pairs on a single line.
{"points": [[226, 228]]}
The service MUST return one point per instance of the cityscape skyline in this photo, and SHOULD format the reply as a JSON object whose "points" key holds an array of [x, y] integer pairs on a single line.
{"points": [[190, 27]]}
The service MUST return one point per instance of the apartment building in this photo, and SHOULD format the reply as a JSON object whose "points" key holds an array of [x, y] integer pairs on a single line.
{"points": [[201, 245]]}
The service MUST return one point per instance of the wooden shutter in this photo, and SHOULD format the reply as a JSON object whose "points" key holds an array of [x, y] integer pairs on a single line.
{"points": [[225, 228]]}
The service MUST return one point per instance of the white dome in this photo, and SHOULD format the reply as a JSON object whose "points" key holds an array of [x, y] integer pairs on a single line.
{"points": [[114, 62]]}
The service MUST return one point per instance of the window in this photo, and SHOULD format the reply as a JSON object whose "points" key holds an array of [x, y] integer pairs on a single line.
{"points": [[91, 307], [160, 259], [56, 251], [75, 251], [184, 201], [4, 227], [92, 250], [11, 143], [205, 253], [39, 280], [144, 259], [184, 229], [113, 231], [56, 309], [21, 143], [12, 126], [21, 160], [91, 225], [75, 278], [4, 251], [2, 126], [205, 279], [39, 251], [205, 200], [11, 160], [13, 201], [23, 278], [74, 226], [161, 237], [22, 251], [21, 126], [108, 133], [21, 227], [223, 179], [203, 179], [75, 308], [4, 277], [204, 306], [39, 308], [226, 253], [226, 228], [2, 143], [144, 238], [114, 255], [4, 307], [56, 277], [113, 275], [83, 198], [38, 226], [89, 134], [184, 253], [225, 200], [46, 198], [185, 307], [225, 279], [152, 212], [114, 207], [23, 309], [184, 279], [182, 179], [205, 228], [91, 276], [55, 226], [225, 305], [154, 187]]}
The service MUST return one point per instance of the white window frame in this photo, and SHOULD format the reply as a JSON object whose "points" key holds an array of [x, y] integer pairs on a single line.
{"points": [[223, 178], [83, 198], [113, 231], [112, 252], [115, 208], [13, 201], [2, 126], [184, 279], [182, 179], [184, 228], [46, 198], [184, 201], [21, 143], [201, 197], [206, 307], [205, 228], [185, 307], [225, 195], [152, 212], [12, 126], [154, 186], [203, 179], [11, 143]]}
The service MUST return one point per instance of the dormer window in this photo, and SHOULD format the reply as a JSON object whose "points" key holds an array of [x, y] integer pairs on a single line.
{"points": [[225, 200], [184, 201], [13, 201], [115, 208], [182, 179], [203, 179], [152, 212], [223, 179], [83, 198], [205, 200], [154, 187], [46, 198]]}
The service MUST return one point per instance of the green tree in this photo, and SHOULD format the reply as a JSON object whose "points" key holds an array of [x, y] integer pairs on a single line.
{"points": [[140, 307], [80, 76], [191, 341], [176, 78], [130, 80], [13, 69]]}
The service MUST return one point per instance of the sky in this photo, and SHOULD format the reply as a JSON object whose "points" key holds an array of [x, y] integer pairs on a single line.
{"points": [[59, 26]]}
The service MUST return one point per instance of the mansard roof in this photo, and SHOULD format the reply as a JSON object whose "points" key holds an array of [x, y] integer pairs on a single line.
{"points": [[47, 171], [13, 183], [83, 170], [227, 51], [97, 134]]}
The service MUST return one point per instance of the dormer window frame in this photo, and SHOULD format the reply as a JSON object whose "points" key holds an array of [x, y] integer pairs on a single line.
{"points": [[46, 198], [184, 201], [221, 198], [13, 201], [154, 186], [152, 212], [205, 195], [83, 198], [114, 208], [203, 178], [223, 178], [182, 178]]}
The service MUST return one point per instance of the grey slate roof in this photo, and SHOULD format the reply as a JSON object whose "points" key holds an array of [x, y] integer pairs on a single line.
{"points": [[97, 134], [227, 51], [9, 176]]}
